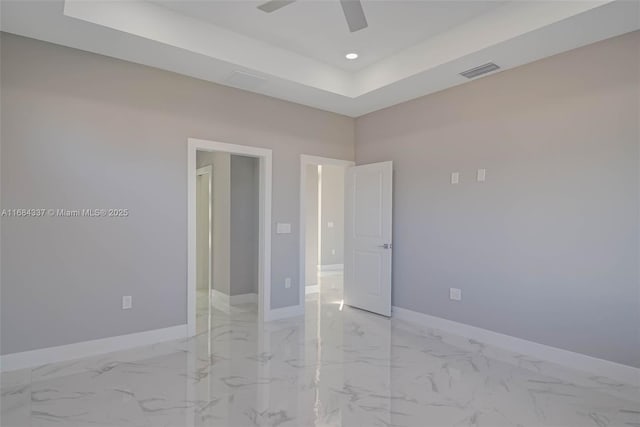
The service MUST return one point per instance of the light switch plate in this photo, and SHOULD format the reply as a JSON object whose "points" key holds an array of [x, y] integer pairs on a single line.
{"points": [[127, 302], [455, 294], [330, 224], [283, 228], [482, 175], [455, 177]]}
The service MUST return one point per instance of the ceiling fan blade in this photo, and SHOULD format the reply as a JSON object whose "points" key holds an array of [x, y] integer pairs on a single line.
{"points": [[273, 5], [354, 14]]}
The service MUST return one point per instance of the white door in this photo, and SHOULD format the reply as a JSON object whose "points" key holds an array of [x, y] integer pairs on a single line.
{"points": [[368, 248]]}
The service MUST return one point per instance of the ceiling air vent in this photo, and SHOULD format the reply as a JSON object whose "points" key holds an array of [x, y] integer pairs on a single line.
{"points": [[478, 71]]}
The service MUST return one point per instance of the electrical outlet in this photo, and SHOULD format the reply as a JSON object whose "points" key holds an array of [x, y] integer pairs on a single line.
{"points": [[287, 282], [127, 302], [482, 175], [455, 177], [455, 294]]}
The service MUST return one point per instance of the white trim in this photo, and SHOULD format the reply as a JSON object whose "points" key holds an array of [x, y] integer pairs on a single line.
{"points": [[208, 170], [318, 225], [220, 303], [218, 297], [306, 160], [244, 299], [311, 289], [331, 267], [286, 312], [324, 161], [43, 356], [577, 361], [204, 170], [264, 238]]}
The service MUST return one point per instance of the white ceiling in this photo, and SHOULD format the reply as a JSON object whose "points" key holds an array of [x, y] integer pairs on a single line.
{"points": [[409, 49], [318, 28]]}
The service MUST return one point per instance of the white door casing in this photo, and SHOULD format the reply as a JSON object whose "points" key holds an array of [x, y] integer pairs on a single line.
{"points": [[368, 237], [265, 156], [203, 227]]}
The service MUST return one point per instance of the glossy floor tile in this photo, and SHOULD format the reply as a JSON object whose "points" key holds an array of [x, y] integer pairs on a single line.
{"points": [[334, 367]]}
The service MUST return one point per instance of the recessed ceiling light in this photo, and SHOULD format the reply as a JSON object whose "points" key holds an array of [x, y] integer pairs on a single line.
{"points": [[351, 55]]}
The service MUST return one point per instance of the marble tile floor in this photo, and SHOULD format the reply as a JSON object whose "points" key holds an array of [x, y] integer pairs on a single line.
{"points": [[331, 368]]}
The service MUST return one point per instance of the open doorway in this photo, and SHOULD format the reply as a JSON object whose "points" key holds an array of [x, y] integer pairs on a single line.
{"points": [[229, 225], [322, 240], [227, 242]]}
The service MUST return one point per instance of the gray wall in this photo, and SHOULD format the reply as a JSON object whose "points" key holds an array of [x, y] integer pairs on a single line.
{"points": [[244, 225], [547, 248], [311, 237], [332, 251], [81, 130]]}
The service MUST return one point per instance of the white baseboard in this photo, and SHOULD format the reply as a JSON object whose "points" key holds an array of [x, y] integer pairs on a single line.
{"points": [[331, 267], [219, 297], [285, 312], [243, 299], [605, 368], [311, 289], [43, 356]]}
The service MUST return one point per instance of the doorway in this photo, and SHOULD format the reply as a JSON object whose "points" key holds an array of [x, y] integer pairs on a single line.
{"points": [[322, 225], [226, 234], [253, 204]]}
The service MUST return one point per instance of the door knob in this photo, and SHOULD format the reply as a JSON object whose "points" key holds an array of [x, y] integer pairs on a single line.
{"points": [[386, 246]]}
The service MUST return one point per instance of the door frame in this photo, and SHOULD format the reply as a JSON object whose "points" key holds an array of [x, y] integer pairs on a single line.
{"points": [[306, 160], [265, 157], [207, 170]]}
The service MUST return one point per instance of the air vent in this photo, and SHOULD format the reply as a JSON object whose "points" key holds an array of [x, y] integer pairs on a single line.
{"points": [[273, 5], [244, 80], [478, 71]]}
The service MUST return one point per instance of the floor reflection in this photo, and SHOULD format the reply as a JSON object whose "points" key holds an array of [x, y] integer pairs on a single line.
{"points": [[334, 367]]}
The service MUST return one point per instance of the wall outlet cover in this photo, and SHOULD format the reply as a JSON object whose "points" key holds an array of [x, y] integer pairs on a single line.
{"points": [[455, 294], [127, 302], [455, 177]]}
